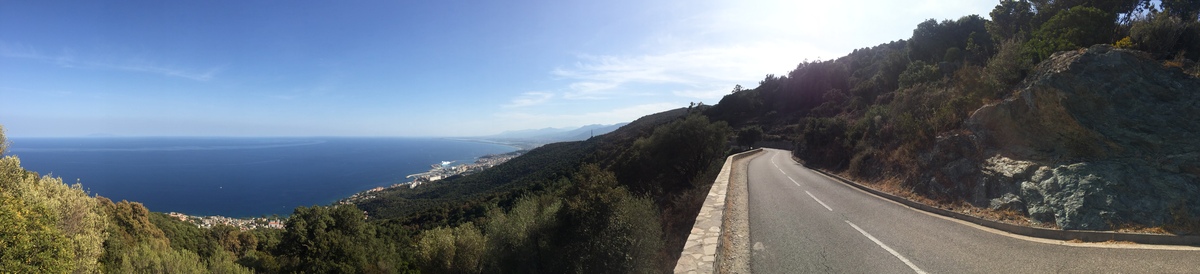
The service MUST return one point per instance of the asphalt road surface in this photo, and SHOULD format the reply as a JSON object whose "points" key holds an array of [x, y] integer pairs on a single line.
{"points": [[804, 222]]}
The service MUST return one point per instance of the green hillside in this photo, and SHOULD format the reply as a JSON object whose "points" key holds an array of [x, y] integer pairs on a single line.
{"points": [[623, 201]]}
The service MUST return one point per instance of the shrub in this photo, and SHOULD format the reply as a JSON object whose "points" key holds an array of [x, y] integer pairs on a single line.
{"points": [[1124, 43], [519, 242], [1159, 34], [1009, 65], [1074, 28], [918, 72], [74, 215], [435, 250]]}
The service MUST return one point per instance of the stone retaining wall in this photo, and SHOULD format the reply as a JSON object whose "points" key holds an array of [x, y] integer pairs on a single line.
{"points": [[700, 251]]}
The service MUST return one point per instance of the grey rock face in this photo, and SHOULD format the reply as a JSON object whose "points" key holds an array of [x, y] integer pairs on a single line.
{"points": [[1095, 138]]}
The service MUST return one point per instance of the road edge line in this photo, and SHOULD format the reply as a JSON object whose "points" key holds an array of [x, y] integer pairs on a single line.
{"points": [[885, 247], [1144, 241]]}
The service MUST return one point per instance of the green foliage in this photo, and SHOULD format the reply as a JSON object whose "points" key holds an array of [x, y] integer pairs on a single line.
{"points": [[75, 216], [184, 236], [1009, 65], [1011, 19], [1187, 9], [1047, 9], [677, 152], [32, 244], [605, 229], [595, 225], [3, 142], [451, 250], [919, 72], [462, 198], [749, 135], [333, 240], [1074, 28], [145, 257], [148, 258], [1166, 35], [821, 139], [931, 40], [435, 250], [521, 240]]}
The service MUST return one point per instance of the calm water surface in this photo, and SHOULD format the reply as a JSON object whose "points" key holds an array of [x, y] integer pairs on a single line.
{"points": [[238, 177]]}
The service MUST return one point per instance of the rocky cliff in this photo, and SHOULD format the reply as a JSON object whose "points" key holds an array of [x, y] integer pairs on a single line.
{"points": [[1093, 139]]}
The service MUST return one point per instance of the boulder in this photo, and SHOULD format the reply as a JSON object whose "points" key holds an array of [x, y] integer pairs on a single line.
{"points": [[1092, 139]]}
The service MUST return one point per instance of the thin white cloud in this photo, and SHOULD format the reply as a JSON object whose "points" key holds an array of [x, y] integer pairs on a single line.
{"points": [[526, 120], [67, 59], [529, 99], [712, 94], [703, 55], [603, 77]]}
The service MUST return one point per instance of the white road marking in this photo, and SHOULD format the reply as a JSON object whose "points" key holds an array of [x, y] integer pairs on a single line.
{"points": [[784, 173], [818, 200], [889, 249]]}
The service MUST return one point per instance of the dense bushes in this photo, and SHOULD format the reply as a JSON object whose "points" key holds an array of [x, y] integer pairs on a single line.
{"points": [[597, 226], [1074, 28], [1166, 35], [47, 226], [903, 95]]}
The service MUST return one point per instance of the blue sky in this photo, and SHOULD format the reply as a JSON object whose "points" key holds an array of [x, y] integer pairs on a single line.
{"points": [[406, 68]]}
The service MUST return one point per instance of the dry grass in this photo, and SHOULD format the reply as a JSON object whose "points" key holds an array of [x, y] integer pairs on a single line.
{"points": [[1137, 228], [896, 186], [1115, 242]]}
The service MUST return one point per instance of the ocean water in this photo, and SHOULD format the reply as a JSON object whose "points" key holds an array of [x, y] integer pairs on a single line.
{"points": [[238, 177]]}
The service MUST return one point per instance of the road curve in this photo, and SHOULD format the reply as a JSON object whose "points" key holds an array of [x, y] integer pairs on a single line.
{"points": [[804, 222]]}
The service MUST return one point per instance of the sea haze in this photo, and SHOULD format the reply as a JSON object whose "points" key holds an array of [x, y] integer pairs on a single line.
{"points": [[238, 177]]}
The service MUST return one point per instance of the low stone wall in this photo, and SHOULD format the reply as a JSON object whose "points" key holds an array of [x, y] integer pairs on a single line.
{"points": [[700, 251]]}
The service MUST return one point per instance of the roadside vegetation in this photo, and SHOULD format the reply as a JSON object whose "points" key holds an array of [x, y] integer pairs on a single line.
{"points": [[617, 203], [870, 114], [624, 201]]}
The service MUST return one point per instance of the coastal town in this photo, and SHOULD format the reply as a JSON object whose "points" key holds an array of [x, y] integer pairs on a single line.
{"points": [[274, 222], [436, 173]]}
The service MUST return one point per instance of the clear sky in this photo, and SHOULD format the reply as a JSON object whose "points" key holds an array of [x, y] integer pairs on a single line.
{"points": [[407, 68]]}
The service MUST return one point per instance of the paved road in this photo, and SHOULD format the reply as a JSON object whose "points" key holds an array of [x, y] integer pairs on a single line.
{"points": [[803, 222]]}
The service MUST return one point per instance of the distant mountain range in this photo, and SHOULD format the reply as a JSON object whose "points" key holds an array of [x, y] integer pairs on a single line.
{"points": [[551, 135]]}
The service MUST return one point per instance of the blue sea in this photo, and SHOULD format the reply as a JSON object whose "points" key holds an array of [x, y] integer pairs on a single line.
{"points": [[238, 177]]}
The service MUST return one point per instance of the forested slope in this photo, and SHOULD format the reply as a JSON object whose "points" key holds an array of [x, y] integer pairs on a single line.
{"points": [[623, 202], [879, 113]]}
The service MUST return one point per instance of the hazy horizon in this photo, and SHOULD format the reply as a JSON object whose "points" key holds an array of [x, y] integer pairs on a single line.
{"points": [[407, 69]]}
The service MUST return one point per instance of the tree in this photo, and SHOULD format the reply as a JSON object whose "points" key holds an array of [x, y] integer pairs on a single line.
{"points": [[1048, 9], [31, 243], [1011, 19], [931, 40], [1189, 10], [74, 215], [605, 229], [681, 150], [919, 72], [749, 135], [1166, 35], [1073, 28], [3, 142], [332, 239]]}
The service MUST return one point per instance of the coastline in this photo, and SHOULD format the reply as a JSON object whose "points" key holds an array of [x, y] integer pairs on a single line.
{"points": [[519, 145], [437, 172], [241, 178]]}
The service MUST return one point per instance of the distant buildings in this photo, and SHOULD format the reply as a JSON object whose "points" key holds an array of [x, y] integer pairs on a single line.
{"points": [[243, 224]]}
